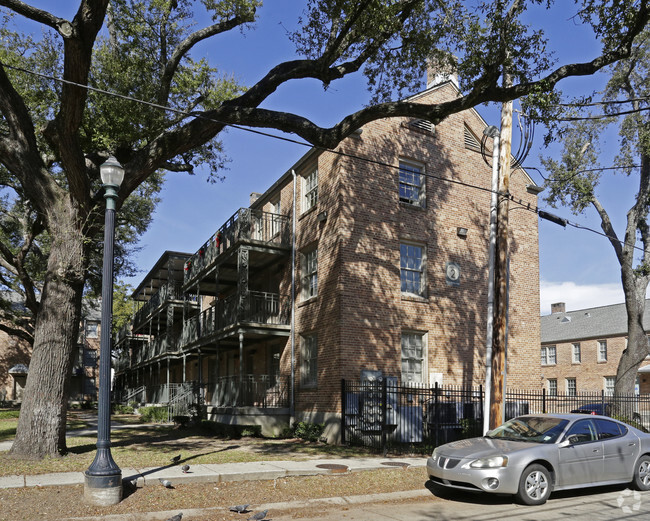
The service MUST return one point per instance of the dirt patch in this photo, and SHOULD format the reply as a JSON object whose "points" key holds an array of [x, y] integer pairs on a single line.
{"points": [[58, 503]]}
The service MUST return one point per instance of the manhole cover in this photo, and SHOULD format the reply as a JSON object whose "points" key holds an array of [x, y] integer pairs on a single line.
{"points": [[395, 464], [333, 467]]}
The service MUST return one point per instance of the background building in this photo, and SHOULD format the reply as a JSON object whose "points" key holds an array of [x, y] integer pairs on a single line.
{"points": [[581, 349]]}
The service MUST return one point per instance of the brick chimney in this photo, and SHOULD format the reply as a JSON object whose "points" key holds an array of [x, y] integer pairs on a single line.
{"points": [[254, 197], [440, 72], [558, 307]]}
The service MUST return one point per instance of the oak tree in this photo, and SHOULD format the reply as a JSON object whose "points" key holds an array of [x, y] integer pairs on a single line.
{"points": [[55, 132]]}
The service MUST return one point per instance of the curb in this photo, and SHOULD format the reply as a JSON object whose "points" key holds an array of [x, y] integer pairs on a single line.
{"points": [[288, 505]]}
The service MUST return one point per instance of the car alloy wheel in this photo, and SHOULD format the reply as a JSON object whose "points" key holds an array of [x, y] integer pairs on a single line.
{"points": [[534, 485], [642, 473]]}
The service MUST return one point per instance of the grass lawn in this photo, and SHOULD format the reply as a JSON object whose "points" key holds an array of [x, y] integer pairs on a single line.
{"points": [[140, 447]]}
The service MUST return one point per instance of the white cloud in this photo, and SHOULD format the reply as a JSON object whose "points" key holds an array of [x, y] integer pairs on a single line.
{"points": [[577, 296]]}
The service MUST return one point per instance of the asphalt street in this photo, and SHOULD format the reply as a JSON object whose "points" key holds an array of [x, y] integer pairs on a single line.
{"points": [[608, 503]]}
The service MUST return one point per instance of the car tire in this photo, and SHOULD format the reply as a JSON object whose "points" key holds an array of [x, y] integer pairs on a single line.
{"points": [[534, 485], [641, 480]]}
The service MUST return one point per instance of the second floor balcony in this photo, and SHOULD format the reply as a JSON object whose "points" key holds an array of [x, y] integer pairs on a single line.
{"points": [[256, 308], [169, 292], [246, 226]]}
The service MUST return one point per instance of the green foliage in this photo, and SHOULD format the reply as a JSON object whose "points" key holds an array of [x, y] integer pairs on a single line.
{"points": [[122, 305], [122, 409], [153, 414], [308, 431], [11, 413]]}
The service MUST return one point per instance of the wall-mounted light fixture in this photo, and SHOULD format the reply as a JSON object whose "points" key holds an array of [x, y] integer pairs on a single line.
{"points": [[534, 189], [322, 216], [461, 232]]}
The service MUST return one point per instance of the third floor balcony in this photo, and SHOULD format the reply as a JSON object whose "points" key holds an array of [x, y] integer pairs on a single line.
{"points": [[260, 229]]}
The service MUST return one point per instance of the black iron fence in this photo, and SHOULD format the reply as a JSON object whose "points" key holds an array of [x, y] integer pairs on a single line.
{"points": [[395, 418]]}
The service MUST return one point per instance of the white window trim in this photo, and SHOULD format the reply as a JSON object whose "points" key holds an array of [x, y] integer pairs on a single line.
{"points": [[570, 392], [576, 359], [307, 275], [599, 356], [546, 351], [309, 197], [305, 378], [423, 268], [421, 201], [425, 357]]}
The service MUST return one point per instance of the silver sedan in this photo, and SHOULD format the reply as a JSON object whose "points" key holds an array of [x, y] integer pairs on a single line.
{"points": [[531, 456]]}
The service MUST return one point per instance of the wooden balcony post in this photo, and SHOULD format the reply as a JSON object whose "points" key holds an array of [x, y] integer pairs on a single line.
{"points": [[243, 304]]}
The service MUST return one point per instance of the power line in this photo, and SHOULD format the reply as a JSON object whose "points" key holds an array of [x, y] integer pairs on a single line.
{"points": [[526, 206]]}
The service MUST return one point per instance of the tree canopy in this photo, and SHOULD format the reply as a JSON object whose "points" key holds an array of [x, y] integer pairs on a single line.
{"points": [[622, 107], [59, 123]]}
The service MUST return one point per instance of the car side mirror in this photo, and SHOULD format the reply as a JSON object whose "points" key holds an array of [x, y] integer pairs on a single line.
{"points": [[564, 443]]}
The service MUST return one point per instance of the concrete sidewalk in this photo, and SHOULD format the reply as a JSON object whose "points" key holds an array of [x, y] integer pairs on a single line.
{"points": [[215, 473]]}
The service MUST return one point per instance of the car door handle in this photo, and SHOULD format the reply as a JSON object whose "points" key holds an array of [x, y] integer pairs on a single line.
{"points": [[596, 450], [631, 444]]}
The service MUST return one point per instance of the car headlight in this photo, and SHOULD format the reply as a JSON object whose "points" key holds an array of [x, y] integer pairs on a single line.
{"points": [[490, 463], [434, 455]]}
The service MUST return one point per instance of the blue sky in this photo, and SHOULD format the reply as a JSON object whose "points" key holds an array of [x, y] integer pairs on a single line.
{"points": [[576, 266]]}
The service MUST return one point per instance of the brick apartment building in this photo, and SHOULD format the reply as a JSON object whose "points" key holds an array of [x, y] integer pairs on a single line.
{"points": [[581, 349], [15, 354], [342, 265]]}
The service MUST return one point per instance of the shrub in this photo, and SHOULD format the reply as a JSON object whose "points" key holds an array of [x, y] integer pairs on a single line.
{"points": [[308, 431], [153, 414], [122, 409]]}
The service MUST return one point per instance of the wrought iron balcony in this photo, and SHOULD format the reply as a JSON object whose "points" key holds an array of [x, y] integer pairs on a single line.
{"points": [[255, 307], [246, 225], [167, 292]]}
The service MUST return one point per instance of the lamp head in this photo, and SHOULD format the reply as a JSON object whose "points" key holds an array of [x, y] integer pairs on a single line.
{"points": [[491, 131], [111, 172]]}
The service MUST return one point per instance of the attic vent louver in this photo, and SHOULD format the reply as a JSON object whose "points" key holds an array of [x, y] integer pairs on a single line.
{"points": [[471, 141], [423, 125], [566, 319]]}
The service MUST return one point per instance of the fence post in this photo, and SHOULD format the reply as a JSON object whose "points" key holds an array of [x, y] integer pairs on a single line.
{"points": [[436, 413], [384, 400], [343, 410], [602, 403], [544, 400]]}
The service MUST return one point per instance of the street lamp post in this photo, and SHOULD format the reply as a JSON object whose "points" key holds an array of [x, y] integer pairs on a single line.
{"points": [[103, 479]]}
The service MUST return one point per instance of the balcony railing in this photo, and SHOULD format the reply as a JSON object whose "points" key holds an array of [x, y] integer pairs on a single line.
{"points": [[245, 225], [169, 291], [256, 307], [259, 390]]}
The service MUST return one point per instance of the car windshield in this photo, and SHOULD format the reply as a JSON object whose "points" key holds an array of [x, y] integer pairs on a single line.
{"points": [[535, 429]]}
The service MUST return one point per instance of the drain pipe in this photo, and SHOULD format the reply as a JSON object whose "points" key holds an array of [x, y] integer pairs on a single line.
{"points": [[292, 402]]}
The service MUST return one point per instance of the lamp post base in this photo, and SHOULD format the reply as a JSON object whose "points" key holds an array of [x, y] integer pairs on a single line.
{"points": [[103, 491]]}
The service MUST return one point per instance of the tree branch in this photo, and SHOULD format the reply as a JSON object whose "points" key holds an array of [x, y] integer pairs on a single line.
{"points": [[186, 45], [61, 25], [17, 332]]}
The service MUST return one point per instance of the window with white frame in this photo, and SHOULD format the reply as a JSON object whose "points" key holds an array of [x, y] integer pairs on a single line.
{"points": [[275, 218], [411, 184], [571, 388], [552, 387], [412, 264], [91, 329], [610, 382], [602, 350], [548, 355], [575, 353], [413, 356], [309, 272], [309, 350], [309, 190]]}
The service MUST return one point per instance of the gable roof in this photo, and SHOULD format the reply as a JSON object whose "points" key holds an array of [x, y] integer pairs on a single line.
{"points": [[600, 322]]}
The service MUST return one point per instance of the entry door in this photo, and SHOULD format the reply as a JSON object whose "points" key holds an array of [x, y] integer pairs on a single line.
{"points": [[582, 461]]}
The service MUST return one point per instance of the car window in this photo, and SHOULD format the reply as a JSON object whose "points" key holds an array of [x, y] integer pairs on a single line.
{"points": [[609, 429], [582, 431], [535, 429]]}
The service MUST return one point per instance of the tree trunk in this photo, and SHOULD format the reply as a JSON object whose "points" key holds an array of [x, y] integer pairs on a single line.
{"points": [[637, 343], [42, 422]]}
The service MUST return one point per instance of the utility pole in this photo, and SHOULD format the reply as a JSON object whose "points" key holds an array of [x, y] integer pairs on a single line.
{"points": [[501, 266]]}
